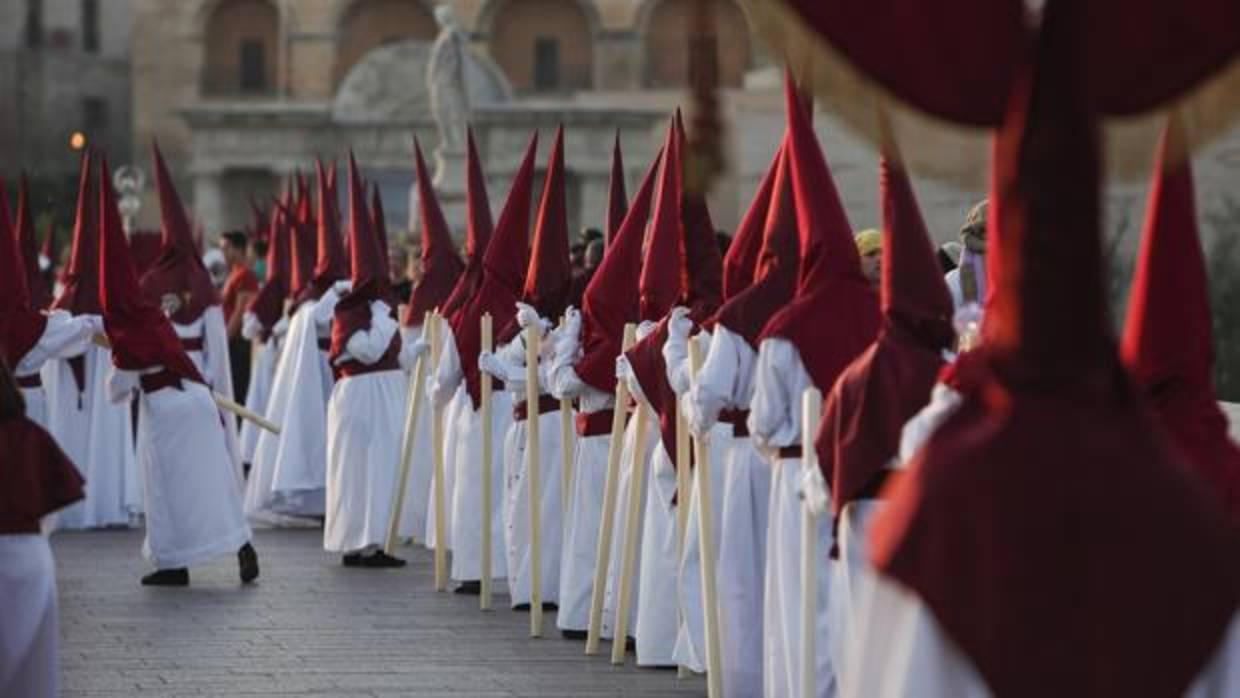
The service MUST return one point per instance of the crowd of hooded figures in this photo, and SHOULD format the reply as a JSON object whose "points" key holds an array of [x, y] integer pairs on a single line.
{"points": [[811, 465]]}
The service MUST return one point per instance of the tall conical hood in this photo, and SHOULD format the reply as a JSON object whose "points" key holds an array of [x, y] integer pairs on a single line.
{"points": [[301, 249], [441, 267], [20, 324], [330, 264], [477, 231], [741, 261], [179, 270], [914, 293], [503, 273], [23, 227], [268, 303], [378, 222], [548, 279], [610, 299], [617, 199], [368, 272], [140, 333], [1168, 344], [80, 295], [659, 285], [701, 284]]}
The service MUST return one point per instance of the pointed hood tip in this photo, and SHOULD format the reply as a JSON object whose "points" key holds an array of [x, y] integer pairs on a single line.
{"points": [[912, 281]]}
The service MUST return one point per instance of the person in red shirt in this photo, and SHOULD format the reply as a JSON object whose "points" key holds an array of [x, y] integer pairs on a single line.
{"points": [[240, 287]]}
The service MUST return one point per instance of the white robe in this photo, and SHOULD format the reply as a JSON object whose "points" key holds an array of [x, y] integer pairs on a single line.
{"points": [[516, 487], [579, 554], [458, 402], [466, 501], [743, 500], [63, 336], [97, 435], [193, 498], [774, 422], [1232, 409], [262, 374], [289, 472], [29, 663], [216, 369], [365, 417], [413, 512]]}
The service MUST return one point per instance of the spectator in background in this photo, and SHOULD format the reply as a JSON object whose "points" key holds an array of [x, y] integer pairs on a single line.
{"points": [[401, 269], [870, 247], [258, 257], [239, 289]]}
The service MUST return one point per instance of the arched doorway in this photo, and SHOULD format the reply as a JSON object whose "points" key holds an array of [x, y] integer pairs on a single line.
{"points": [[543, 45], [368, 24], [667, 43], [242, 48]]}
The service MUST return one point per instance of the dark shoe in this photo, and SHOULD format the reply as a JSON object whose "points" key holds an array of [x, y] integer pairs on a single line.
{"points": [[352, 560], [521, 608], [176, 577], [247, 563], [547, 606], [381, 559], [573, 634], [469, 588]]}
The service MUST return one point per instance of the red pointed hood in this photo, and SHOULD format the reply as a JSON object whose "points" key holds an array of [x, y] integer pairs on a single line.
{"points": [[617, 199], [1168, 344], [610, 299], [503, 273], [80, 295], [441, 267], [368, 270], [1058, 416], [178, 271], [20, 324], [378, 222], [36, 281], [477, 231], [659, 284], [268, 303], [835, 314], [741, 261], [140, 333], [49, 251], [701, 263], [331, 264], [301, 250]]}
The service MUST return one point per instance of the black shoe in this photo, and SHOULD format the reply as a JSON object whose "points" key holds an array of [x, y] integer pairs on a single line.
{"points": [[381, 559], [473, 588], [247, 563], [352, 560], [521, 608], [548, 606], [176, 577], [573, 634]]}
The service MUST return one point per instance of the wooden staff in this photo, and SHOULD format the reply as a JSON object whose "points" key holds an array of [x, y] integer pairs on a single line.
{"points": [[488, 454], [710, 600], [632, 527], [441, 550], [811, 410], [416, 390], [566, 452], [603, 551], [533, 463], [684, 494]]}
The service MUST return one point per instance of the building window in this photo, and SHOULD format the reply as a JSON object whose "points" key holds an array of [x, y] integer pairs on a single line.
{"points": [[94, 114], [253, 66], [546, 63], [90, 26], [34, 23]]}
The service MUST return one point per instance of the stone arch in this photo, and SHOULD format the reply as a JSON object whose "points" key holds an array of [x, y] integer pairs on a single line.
{"points": [[364, 25], [241, 47], [667, 30], [542, 45]]}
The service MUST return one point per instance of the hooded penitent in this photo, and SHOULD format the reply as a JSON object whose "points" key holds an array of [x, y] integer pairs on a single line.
{"points": [[80, 295], [140, 333], [378, 223], [880, 391], [20, 324], [548, 279], [301, 246], [441, 267], [23, 227], [503, 274], [741, 261], [268, 304], [1059, 593], [369, 276], [478, 230], [330, 265], [178, 271], [617, 200], [702, 265], [835, 313], [1168, 344], [610, 300]]}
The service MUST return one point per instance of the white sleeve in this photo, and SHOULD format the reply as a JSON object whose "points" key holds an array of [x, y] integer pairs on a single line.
{"points": [[325, 308], [250, 326], [1221, 677], [676, 360], [944, 401], [779, 380], [558, 375], [510, 365], [369, 345], [63, 336], [120, 384], [624, 372], [448, 374], [712, 389]]}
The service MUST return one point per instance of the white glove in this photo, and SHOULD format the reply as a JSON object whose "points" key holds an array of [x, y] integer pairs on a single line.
{"points": [[572, 321], [645, 328], [693, 416], [489, 363], [281, 327], [418, 348], [527, 316], [342, 287], [679, 325], [250, 326], [813, 491], [379, 308], [624, 372]]}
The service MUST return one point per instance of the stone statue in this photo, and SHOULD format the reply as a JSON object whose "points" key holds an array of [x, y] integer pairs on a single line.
{"points": [[445, 78]]}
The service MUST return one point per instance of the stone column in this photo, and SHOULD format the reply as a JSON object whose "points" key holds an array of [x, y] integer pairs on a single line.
{"points": [[209, 201]]}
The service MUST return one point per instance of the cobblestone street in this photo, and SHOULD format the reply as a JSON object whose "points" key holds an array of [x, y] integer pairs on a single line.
{"points": [[309, 626]]}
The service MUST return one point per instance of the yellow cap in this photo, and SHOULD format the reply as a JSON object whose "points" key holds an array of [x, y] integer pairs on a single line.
{"points": [[868, 241]]}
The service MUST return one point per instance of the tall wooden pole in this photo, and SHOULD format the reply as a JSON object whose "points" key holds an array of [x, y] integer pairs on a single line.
{"points": [[488, 451], [632, 527], [710, 599], [684, 495], [416, 390], [441, 547], [811, 410], [533, 463]]}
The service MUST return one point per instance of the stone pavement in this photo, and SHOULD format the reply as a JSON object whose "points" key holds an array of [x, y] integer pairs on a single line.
{"points": [[309, 627]]}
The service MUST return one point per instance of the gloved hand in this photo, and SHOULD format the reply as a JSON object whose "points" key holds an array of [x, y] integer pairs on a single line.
{"points": [[693, 416], [527, 316], [488, 362], [572, 321], [418, 348], [340, 288], [679, 325], [281, 327], [624, 371], [813, 491], [645, 328], [250, 326]]}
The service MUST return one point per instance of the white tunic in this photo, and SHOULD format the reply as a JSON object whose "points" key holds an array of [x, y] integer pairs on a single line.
{"points": [[193, 497], [466, 500], [262, 374], [213, 363], [775, 422], [365, 418], [97, 435], [29, 665], [63, 336], [413, 513], [289, 472]]}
